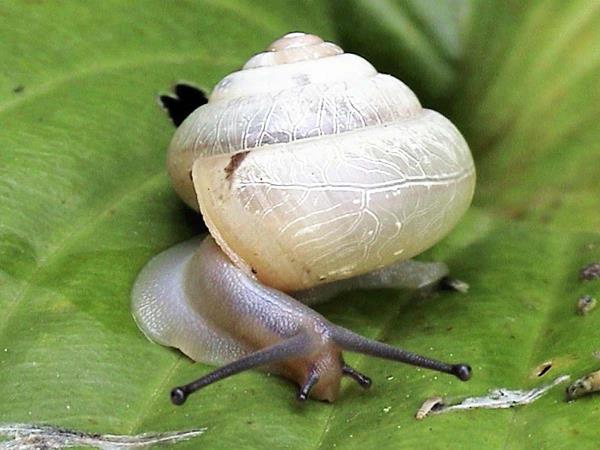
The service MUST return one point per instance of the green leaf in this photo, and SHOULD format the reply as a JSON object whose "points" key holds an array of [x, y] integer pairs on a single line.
{"points": [[85, 202], [532, 112], [422, 40]]}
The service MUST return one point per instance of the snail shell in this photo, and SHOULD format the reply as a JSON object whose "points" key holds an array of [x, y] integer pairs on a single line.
{"points": [[309, 166]]}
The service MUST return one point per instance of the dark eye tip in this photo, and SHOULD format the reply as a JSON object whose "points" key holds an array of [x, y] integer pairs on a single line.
{"points": [[302, 396], [178, 396], [365, 382], [462, 371]]}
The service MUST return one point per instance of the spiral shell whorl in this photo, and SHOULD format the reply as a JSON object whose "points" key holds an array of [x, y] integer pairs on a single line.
{"points": [[309, 166], [294, 39], [275, 98], [296, 59], [291, 48]]}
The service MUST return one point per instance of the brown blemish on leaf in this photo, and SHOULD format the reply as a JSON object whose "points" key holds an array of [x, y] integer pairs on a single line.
{"points": [[542, 369], [590, 272], [234, 163], [556, 364]]}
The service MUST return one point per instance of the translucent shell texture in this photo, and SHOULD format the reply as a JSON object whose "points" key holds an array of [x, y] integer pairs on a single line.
{"points": [[309, 166]]}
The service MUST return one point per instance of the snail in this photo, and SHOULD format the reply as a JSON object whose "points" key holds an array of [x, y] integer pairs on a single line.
{"points": [[314, 174]]}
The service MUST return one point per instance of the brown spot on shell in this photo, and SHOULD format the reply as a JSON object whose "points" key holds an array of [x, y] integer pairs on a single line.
{"points": [[234, 163]]}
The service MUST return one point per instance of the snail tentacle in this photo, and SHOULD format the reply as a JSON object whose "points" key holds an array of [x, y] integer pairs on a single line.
{"points": [[310, 382], [297, 345], [363, 380], [353, 342]]}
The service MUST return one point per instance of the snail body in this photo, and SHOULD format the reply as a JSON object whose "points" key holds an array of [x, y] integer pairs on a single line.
{"points": [[314, 174]]}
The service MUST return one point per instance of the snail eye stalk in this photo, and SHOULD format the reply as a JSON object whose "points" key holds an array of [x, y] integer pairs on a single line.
{"points": [[295, 346], [353, 342], [363, 380], [305, 389]]}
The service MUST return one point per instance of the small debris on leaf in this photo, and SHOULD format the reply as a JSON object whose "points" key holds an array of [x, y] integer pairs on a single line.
{"points": [[590, 272], [495, 399], [585, 304], [427, 406], [585, 385], [25, 436]]}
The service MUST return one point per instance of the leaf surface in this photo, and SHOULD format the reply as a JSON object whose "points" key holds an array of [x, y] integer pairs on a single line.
{"points": [[85, 202]]}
